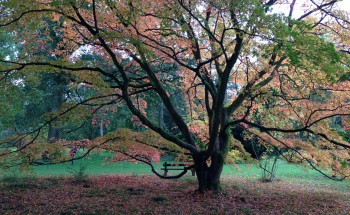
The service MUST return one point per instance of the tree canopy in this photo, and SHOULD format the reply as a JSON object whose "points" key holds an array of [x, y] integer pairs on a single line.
{"points": [[215, 66]]}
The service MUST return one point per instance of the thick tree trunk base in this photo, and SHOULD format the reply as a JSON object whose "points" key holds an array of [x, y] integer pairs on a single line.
{"points": [[209, 176]]}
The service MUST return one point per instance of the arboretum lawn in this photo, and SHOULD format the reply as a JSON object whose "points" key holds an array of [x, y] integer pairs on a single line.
{"points": [[97, 164], [129, 188]]}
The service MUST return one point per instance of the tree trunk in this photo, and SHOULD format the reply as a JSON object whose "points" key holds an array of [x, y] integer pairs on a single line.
{"points": [[101, 129], [57, 95], [161, 115], [54, 126], [209, 171]]}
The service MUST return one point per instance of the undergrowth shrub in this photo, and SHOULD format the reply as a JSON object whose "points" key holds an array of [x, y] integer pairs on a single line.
{"points": [[268, 163], [79, 175], [269, 167]]}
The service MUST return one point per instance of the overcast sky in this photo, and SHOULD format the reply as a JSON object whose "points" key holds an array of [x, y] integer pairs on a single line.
{"points": [[299, 9]]}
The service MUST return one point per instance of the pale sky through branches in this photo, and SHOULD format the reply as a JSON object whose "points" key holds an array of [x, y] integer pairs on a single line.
{"points": [[301, 6], [345, 5]]}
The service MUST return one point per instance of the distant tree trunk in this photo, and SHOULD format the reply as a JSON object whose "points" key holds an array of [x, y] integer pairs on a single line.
{"points": [[54, 126], [101, 130], [57, 97], [161, 115]]}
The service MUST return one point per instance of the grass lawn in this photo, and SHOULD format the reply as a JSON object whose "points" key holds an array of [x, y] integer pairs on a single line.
{"points": [[96, 164]]}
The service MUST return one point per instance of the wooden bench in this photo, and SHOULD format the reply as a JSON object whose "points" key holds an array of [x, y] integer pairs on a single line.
{"points": [[175, 166]]}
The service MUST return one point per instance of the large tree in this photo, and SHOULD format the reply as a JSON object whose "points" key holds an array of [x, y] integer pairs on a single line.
{"points": [[281, 75]]}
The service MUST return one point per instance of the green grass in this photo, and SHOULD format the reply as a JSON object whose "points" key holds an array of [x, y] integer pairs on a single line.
{"points": [[96, 164], [287, 172]]}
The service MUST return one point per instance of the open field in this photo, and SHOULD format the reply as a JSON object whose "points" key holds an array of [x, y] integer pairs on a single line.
{"points": [[97, 164]]}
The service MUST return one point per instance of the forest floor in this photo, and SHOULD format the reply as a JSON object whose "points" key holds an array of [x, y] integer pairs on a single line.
{"points": [[130, 194]]}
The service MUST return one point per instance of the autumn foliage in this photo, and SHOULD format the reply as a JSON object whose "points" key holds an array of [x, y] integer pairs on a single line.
{"points": [[215, 66]]}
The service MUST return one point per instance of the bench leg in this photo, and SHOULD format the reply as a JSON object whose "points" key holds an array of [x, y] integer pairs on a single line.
{"points": [[193, 172]]}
